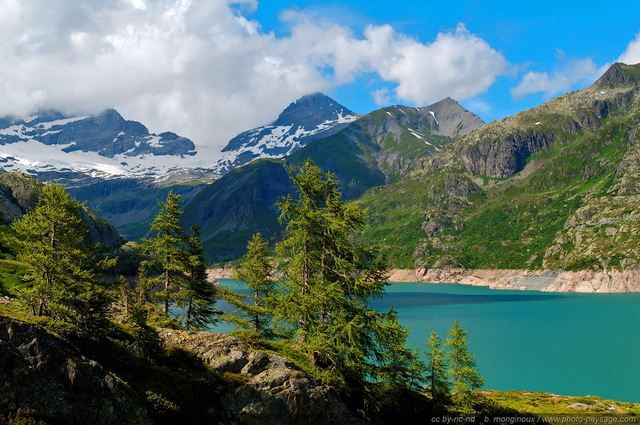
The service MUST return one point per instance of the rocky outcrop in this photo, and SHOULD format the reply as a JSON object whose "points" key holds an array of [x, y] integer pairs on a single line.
{"points": [[619, 74], [19, 193], [535, 280], [44, 378], [501, 156], [220, 273], [271, 389]]}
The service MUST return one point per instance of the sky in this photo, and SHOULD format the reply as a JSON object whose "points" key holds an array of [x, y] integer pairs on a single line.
{"points": [[210, 69]]}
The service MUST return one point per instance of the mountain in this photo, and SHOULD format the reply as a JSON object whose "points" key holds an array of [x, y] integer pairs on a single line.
{"points": [[116, 166], [553, 187], [104, 144], [309, 118], [374, 150], [19, 194]]}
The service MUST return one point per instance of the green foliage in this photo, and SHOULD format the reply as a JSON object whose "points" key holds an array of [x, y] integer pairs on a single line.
{"points": [[160, 404], [465, 378], [400, 366], [11, 273], [198, 293], [329, 276], [62, 279], [436, 372], [256, 272], [166, 252], [175, 271]]}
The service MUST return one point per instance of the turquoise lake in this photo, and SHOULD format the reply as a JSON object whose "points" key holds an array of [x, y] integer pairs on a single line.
{"points": [[570, 344]]}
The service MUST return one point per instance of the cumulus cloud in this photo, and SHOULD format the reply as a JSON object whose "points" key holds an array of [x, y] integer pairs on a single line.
{"points": [[631, 55], [573, 71], [204, 69]]}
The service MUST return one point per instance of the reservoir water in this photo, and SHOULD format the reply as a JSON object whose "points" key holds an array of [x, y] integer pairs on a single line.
{"points": [[570, 344]]}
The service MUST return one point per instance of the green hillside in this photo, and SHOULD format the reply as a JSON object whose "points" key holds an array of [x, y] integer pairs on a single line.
{"points": [[375, 150], [552, 187]]}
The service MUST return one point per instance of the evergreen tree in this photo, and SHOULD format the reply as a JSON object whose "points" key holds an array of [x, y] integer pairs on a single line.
{"points": [[436, 377], [256, 272], [63, 276], [329, 278], [167, 251], [400, 367], [198, 292], [465, 377]]}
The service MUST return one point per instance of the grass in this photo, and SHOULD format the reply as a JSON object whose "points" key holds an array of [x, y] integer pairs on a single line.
{"points": [[549, 406], [10, 274]]}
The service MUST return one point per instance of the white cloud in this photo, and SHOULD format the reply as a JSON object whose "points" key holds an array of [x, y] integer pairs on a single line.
{"points": [[382, 97], [573, 72], [202, 69], [631, 55]]}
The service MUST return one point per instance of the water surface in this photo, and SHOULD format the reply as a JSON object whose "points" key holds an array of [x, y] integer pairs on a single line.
{"points": [[570, 344]]}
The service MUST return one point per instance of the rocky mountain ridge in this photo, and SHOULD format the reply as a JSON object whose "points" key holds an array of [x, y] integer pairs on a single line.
{"points": [[309, 118], [554, 187], [374, 150], [105, 144]]}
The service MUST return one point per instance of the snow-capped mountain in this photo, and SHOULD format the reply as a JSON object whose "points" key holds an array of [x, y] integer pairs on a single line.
{"points": [[309, 118], [104, 144]]}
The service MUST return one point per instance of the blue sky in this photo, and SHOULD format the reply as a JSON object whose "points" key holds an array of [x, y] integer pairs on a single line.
{"points": [[541, 37], [210, 69]]}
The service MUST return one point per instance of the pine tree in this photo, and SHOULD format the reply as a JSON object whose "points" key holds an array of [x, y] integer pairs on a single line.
{"points": [[63, 276], [198, 293], [256, 272], [167, 252], [329, 278], [400, 367], [465, 377], [436, 372]]}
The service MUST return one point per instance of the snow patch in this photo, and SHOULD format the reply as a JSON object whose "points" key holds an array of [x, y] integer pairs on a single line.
{"points": [[49, 124]]}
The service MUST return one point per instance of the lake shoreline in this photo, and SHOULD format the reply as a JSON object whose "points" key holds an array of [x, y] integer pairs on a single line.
{"points": [[584, 281]]}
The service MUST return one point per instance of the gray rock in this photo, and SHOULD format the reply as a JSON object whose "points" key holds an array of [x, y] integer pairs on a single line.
{"points": [[43, 375], [274, 390]]}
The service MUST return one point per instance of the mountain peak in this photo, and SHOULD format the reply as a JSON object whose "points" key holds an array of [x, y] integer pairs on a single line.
{"points": [[311, 117], [312, 109], [620, 74], [452, 118]]}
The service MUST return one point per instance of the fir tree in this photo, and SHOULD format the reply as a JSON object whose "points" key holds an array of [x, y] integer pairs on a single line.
{"points": [[400, 367], [167, 251], [63, 276], [256, 272], [329, 279], [465, 377], [436, 372], [198, 293]]}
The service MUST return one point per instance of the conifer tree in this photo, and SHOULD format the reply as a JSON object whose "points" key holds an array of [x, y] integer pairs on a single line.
{"points": [[63, 276], [167, 252], [198, 293], [329, 278], [256, 272], [400, 367], [436, 372], [465, 377]]}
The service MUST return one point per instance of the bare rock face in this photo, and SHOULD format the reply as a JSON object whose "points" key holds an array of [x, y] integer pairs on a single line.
{"points": [[43, 378], [604, 281], [273, 389]]}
